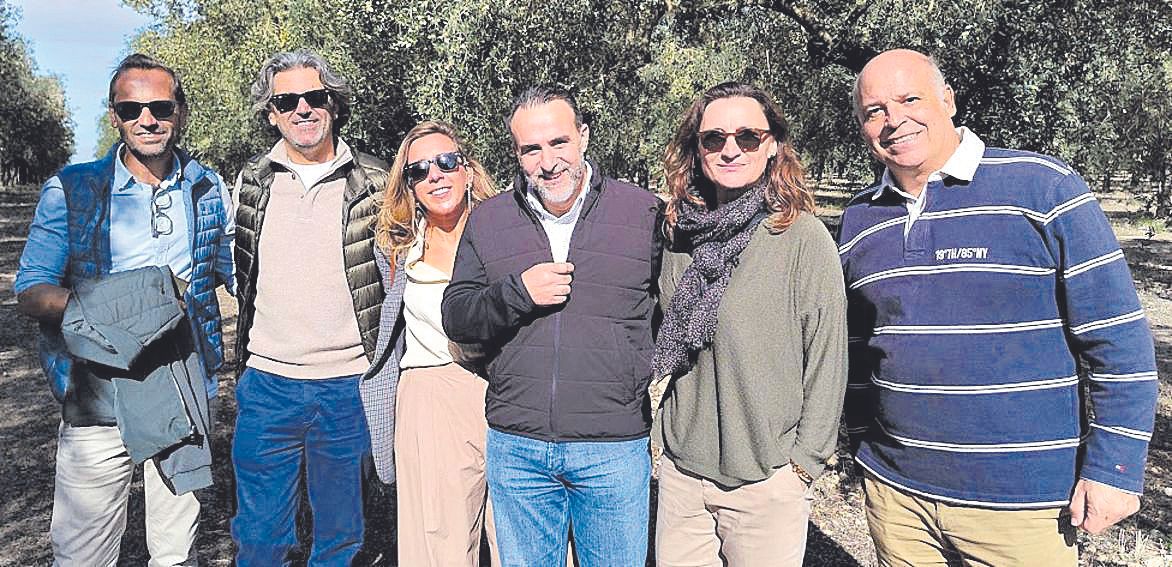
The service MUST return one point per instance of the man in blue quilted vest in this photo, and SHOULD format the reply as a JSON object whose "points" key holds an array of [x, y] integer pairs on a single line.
{"points": [[146, 203]]}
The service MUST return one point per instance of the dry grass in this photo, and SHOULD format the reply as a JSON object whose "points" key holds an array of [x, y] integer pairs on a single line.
{"points": [[838, 535]]}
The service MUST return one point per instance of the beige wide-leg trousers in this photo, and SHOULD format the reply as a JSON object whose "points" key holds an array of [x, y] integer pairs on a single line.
{"points": [[439, 463]]}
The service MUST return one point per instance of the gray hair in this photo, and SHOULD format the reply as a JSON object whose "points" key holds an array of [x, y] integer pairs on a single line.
{"points": [[262, 88], [937, 80], [538, 95]]}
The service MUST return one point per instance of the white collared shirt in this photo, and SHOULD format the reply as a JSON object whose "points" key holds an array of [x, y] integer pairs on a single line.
{"points": [[962, 164], [560, 229]]}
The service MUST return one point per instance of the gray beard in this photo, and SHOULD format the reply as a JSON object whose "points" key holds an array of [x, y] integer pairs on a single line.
{"points": [[548, 196]]}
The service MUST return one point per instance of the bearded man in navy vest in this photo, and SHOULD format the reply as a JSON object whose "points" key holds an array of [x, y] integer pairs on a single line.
{"points": [[556, 278], [988, 305], [146, 203]]}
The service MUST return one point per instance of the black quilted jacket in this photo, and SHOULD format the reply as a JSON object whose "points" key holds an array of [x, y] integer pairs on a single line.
{"points": [[577, 371]]}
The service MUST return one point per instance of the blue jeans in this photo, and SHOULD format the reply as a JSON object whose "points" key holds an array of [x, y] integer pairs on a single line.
{"points": [[540, 489], [281, 425]]}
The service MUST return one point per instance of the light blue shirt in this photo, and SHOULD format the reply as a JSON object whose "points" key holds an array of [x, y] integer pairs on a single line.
{"points": [[133, 243]]}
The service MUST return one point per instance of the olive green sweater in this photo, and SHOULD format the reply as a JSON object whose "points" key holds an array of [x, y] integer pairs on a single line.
{"points": [[769, 388]]}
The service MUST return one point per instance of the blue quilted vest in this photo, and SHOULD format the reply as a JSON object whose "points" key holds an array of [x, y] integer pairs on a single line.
{"points": [[87, 198]]}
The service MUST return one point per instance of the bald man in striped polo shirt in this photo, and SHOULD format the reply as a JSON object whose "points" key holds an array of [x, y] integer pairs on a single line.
{"points": [[978, 278]]}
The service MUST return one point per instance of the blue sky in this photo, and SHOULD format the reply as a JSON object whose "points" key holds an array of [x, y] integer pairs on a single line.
{"points": [[81, 41]]}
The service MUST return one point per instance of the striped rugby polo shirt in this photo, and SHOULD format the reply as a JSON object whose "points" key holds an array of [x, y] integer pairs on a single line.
{"points": [[967, 314]]}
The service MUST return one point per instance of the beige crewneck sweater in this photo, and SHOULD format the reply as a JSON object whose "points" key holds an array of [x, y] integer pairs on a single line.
{"points": [[304, 325]]}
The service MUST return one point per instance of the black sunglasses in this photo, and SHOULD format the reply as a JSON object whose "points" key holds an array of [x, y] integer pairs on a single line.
{"points": [[128, 110], [747, 139], [286, 102], [416, 171]]}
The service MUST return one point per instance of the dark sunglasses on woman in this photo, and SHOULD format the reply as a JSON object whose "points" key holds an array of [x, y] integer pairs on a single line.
{"points": [[416, 171], [287, 102], [128, 110], [747, 139]]}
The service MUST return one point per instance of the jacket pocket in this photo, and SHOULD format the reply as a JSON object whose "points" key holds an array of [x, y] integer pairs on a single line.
{"points": [[635, 356]]}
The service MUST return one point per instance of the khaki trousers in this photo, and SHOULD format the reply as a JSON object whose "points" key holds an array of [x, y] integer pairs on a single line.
{"points": [[90, 490], [909, 530], [700, 524], [442, 493]]}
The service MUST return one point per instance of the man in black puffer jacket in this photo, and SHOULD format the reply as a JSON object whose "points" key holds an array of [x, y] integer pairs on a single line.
{"points": [[557, 279], [310, 297]]}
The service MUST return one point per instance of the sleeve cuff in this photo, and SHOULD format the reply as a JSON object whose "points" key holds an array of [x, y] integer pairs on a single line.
{"points": [[813, 465], [1117, 461]]}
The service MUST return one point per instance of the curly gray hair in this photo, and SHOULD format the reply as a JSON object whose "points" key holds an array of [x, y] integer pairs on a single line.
{"points": [[262, 88]]}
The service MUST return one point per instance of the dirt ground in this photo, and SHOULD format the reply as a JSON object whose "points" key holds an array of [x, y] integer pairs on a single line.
{"points": [[838, 536]]}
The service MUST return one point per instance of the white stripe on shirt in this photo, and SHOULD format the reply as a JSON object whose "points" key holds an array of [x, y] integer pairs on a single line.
{"points": [[1104, 323], [952, 268], [1092, 264], [1027, 446], [1065, 382], [1124, 431], [1037, 216], [1133, 377], [885, 224], [1026, 159], [968, 329], [1068, 205]]}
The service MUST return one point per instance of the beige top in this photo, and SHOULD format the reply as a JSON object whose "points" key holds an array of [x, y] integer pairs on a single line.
{"points": [[427, 345], [304, 326]]}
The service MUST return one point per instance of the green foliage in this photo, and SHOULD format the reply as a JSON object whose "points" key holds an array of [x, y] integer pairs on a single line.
{"points": [[1087, 80], [107, 135], [36, 134]]}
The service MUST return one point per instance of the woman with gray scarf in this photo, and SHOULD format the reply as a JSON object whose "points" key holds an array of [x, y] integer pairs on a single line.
{"points": [[753, 342]]}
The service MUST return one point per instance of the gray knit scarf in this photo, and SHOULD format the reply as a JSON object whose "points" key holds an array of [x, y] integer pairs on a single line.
{"points": [[716, 239]]}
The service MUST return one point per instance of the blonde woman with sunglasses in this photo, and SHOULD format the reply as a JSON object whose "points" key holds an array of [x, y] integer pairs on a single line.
{"points": [[429, 431]]}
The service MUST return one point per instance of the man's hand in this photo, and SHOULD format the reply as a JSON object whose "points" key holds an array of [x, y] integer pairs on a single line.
{"points": [[1095, 507], [548, 283], [44, 302]]}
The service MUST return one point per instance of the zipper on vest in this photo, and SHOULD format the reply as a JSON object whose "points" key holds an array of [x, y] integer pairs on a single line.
{"points": [[557, 363]]}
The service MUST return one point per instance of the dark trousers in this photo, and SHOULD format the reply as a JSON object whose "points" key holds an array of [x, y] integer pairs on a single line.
{"points": [[282, 424]]}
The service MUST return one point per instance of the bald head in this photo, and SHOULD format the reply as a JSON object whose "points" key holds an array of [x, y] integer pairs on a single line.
{"points": [[905, 112], [902, 60]]}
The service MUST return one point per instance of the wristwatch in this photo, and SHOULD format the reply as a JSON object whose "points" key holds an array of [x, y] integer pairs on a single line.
{"points": [[802, 474]]}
